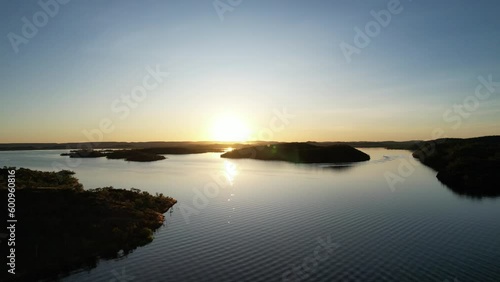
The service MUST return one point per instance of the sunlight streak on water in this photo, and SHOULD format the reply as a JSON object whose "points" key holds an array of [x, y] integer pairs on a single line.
{"points": [[272, 213]]}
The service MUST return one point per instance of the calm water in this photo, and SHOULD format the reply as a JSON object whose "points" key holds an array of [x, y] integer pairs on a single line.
{"points": [[262, 219]]}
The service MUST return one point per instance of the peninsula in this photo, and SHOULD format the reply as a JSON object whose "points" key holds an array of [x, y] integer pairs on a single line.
{"points": [[65, 228], [467, 166]]}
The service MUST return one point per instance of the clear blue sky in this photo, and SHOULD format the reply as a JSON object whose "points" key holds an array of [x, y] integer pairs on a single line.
{"points": [[264, 55]]}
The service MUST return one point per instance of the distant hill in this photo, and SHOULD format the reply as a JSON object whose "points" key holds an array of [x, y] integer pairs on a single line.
{"points": [[299, 153], [468, 166], [205, 146], [392, 145]]}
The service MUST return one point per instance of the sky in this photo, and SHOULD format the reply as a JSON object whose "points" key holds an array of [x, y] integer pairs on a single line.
{"points": [[193, 70]]}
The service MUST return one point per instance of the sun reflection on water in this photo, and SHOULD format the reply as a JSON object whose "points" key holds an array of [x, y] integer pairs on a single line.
{"points": [[231, 171]]}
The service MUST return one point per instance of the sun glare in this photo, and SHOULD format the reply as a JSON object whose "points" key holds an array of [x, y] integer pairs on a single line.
{"points": [[230, 129]]}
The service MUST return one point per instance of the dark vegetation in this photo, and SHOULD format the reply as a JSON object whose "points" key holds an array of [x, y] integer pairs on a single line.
{"points": [[142, 154], [30, 179], [299, 153], [86, 153], [62, 228], [134, 156], [391, 145], [469, 167], [131, 155]]}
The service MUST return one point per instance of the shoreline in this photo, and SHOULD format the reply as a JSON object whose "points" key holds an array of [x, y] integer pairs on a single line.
{"points": [[65, 228]]}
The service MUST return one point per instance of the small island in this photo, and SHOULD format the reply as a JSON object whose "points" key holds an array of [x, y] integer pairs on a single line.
{"points": [[130, 155], [467, 166], [63, 228], [300, 153], [134, 156], [141, 154]]}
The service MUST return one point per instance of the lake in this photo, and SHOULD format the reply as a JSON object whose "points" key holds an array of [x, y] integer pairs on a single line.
{"points": [[249, 220]]}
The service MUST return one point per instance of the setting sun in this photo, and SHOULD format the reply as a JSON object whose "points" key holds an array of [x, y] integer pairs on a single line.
{"points": [[229, 128]]}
